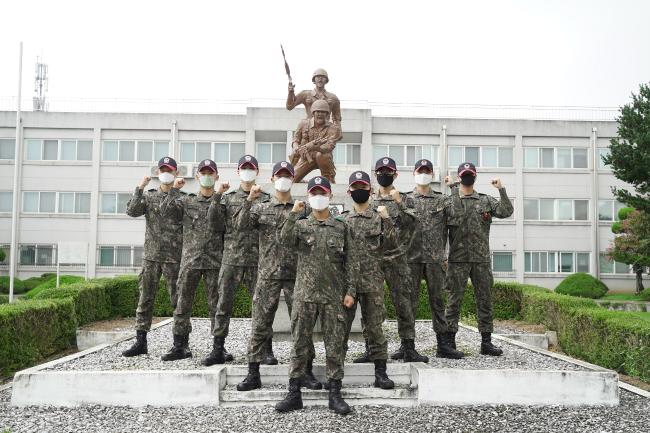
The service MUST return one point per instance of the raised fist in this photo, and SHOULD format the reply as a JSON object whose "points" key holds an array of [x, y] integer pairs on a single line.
{"points": [[254, 193], [396, 196], [225, 186], [383, 212], [179, 183], [496, 182], [145, 181], [298, 206]]}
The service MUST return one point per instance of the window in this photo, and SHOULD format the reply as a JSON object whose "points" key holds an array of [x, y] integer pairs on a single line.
{"points": [[56, 202], [502, 262], [64, 150], [120, 256], [7, 250], [7, 148], [556, 209], [269, 153], [608, 210], [134, 150], [554, 262], [484, 156], [114, 202], [6, 201], [347, 154], [602, 152], [556, 157], [406, 155], [229, 152], [38, 255], [219, 152]]}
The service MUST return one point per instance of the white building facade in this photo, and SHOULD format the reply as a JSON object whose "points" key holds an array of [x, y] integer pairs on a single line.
{"points": [[77, 170]]}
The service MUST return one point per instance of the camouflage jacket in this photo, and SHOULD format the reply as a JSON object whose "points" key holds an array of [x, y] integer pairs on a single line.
{"points": [[277, 260], [163, 212], [240, 246], [203, 230], [371, 234], [429, 244], [326, 265], [468, 220], [403, 217]]}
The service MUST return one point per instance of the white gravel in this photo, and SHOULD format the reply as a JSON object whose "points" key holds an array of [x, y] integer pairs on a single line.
{"points": [[160, 341]]}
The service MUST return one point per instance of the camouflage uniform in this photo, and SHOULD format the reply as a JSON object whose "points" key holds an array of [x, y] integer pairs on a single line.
{"points": [[240, 256], [394, 264], [203, 228], [468, 220], [324, 275], [428, 252], [276, 270], [371, 233], [163, 244]]}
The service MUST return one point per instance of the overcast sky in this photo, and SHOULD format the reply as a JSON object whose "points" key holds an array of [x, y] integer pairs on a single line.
{"points": [[560, 52]]}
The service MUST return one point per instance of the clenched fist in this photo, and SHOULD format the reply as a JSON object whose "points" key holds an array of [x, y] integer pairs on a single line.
{"points": [[496, 182], [383, 212], [145, 182], [396, 196], [298, 206], [225, 186], [348, 301], [179, 183], [254, 193]]}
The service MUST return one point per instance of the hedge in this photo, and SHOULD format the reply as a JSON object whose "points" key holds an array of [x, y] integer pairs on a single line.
{"points": [[50, 282], [91, 300], [19, 285]]}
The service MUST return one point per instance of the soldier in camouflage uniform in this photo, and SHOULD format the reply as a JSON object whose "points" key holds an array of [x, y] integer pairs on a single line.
{"points": [[240, 256], [324, 285], [203, 227], [428, 251], [395, 266], [163, 243], [371, 231], [468, 219], [276, 272]]}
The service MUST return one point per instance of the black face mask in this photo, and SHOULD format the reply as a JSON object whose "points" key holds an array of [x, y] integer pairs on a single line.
{"points": [[385, 179], [467, 179], [360, 195]]}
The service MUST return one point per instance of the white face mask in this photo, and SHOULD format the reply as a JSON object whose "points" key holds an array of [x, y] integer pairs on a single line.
{"points": [[247, 175], [319, 202], [166, 178], [423, 178], [283, 184], [206, 181]]}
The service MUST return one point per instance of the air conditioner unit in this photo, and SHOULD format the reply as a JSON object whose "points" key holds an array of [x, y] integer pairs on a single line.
{"points": [[184, 170]]}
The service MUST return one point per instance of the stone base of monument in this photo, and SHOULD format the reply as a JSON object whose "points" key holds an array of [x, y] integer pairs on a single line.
{"points": [[523, 376]]}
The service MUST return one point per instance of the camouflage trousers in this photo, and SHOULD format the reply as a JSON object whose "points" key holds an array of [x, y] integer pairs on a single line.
{"points": [[481, 276], [230, 278], [434, 276], [188, 281], [265, 305], [397, 277], [373, 313], [148, 284], [333, 324]]}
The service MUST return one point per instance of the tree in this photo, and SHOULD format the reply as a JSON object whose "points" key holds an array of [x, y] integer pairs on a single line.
{"points": [[629, 154], [632, 243]]}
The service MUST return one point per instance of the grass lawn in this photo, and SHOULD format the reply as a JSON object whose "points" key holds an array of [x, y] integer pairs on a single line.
{"points": [[621, 297]]}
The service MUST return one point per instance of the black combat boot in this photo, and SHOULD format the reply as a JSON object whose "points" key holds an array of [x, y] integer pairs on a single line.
{"points": [[179, 350], [399, 354], [487, 348], [309, 381], [365, 357], [381, 379], [451, 339], [217, 354], [411, 355], [337, 404], [227, 355], [252, 380], [444, 349], [269, 357], [293, 400], [139, 347]]}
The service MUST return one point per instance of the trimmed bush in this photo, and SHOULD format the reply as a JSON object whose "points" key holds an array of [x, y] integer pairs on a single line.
{"points": [[31, 331], [645, 294], [33, 282], [91, 300], [50, 283], [19, 286], [4, 299], [582, 285]]}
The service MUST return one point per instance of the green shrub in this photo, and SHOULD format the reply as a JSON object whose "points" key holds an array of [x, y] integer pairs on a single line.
{"points": [[91, 300], [19, 286], [50, 283], [645, 295], [4, 299], [33, 330], [582, 285]]}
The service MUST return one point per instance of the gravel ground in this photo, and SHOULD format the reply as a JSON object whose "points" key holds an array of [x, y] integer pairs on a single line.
{"points": [[160, 340], [633, 415]]}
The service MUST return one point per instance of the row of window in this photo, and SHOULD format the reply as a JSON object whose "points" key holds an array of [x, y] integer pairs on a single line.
{"points": [[550, 209]]}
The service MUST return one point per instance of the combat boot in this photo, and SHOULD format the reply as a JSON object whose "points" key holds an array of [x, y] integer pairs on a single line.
{"points": [[226, 355], [487, 348], [381, 378], [179, 350], [411, 355], [451, 338], [252, 380], [365, 357], [217, 354], [336, 403], [139, 347], [269, 357], [444, 349], [399, 354], [309, 381], [293, 400]]}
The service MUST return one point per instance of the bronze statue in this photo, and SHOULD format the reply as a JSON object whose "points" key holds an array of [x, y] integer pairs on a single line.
{"points": [[307, 97]]}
